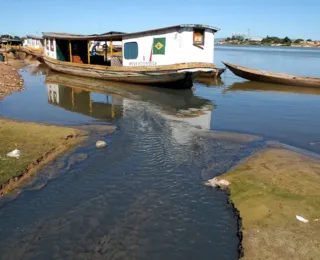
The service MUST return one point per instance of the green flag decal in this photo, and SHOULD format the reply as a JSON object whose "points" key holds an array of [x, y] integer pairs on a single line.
{"points": [[159, 46]]}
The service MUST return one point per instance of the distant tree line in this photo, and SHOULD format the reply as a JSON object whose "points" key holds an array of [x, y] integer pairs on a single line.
{"points": [[235, 38], [286, 40], [276, 40], [267, 40]]}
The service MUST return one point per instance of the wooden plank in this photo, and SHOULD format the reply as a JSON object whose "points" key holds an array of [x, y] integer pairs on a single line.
{"points": [[88, 52], [70, 51]]}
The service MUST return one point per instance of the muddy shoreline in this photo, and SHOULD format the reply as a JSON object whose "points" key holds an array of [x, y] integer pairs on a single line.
{"points": [[265, 206], [236, 213], [35, 166], [10, 79], [77, 135], [10, 82]]}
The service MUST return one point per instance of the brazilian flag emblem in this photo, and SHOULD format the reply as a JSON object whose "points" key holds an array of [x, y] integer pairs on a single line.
{"points": [[159, 46]]}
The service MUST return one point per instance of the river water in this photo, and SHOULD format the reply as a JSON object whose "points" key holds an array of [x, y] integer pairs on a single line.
{"points": [[142, 197]]}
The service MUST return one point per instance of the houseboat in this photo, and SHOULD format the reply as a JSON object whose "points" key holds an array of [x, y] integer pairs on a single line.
{"points": [[170, 56], [33, 45]]}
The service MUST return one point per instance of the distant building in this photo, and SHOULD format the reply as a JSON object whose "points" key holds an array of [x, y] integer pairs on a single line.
{"points": [[255, 39], [10, 42]]}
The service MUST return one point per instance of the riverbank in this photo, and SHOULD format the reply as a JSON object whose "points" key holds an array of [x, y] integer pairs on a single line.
{"points": [[38, 144], [269, 189], [296, 45], [10, 80]]}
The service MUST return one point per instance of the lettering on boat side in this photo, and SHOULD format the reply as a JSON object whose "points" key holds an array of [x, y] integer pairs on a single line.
{"points": [[143, 63]]}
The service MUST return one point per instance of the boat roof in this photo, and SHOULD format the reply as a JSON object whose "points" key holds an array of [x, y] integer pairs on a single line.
{"points": [[119, 35], [10, 40], [34, 37]]}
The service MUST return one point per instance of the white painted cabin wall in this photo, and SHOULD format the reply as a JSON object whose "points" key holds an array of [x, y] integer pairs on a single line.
{"points": [[179, 48], [33, 43], [48, 52], [191, 53]]}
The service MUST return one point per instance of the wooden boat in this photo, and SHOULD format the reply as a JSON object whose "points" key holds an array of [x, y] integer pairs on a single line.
{"points": [[215, 74], [36, 53], [33, 45], [164, 63], [180, 75], [271, 77]]}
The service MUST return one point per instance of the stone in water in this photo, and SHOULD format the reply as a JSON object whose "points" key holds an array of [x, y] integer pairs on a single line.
{"points": [[101, 144], [223, 184]]}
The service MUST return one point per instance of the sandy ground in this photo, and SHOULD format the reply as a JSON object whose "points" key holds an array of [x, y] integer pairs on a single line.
{"points": [[269, 189]]}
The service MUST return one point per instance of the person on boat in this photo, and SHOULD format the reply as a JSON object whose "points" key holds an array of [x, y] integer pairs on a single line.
{"points": [[93, 50]]}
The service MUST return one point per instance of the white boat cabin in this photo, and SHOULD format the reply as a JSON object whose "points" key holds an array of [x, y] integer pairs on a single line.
{"points": [[165, 46], [33, 42]]}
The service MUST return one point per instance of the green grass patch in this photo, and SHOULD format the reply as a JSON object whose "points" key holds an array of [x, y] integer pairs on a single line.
{"points": [[270, 189], [38, 144]]}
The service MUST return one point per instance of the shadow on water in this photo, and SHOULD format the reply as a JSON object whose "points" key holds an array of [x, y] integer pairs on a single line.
{"points": [[142, 197]]}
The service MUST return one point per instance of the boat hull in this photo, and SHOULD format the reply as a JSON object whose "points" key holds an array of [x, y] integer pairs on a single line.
{"points": [[215, 74], [173, 76], [38, 54], [274, 78]]}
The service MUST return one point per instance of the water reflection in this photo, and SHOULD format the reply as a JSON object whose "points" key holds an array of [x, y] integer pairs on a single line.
{"points": [[257, 86], [108, 100], [35, 68], [210, 82], [85, 102]]}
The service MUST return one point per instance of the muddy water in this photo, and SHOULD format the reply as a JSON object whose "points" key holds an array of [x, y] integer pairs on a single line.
{"points": [[142, 197]]}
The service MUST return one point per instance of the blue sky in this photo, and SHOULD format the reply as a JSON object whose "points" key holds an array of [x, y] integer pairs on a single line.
{"points": [[293, 18]]}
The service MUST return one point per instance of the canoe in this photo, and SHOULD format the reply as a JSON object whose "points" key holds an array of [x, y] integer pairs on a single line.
{"points": [[173, 76], [271, 77]]}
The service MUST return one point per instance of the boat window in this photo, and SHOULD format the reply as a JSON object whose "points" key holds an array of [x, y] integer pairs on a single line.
{"points": [[130, 50], [198, 36], [52, 46]]}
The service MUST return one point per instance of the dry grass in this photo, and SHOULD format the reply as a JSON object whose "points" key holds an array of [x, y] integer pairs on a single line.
{"points": [[269, 190], [38, 145]]}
